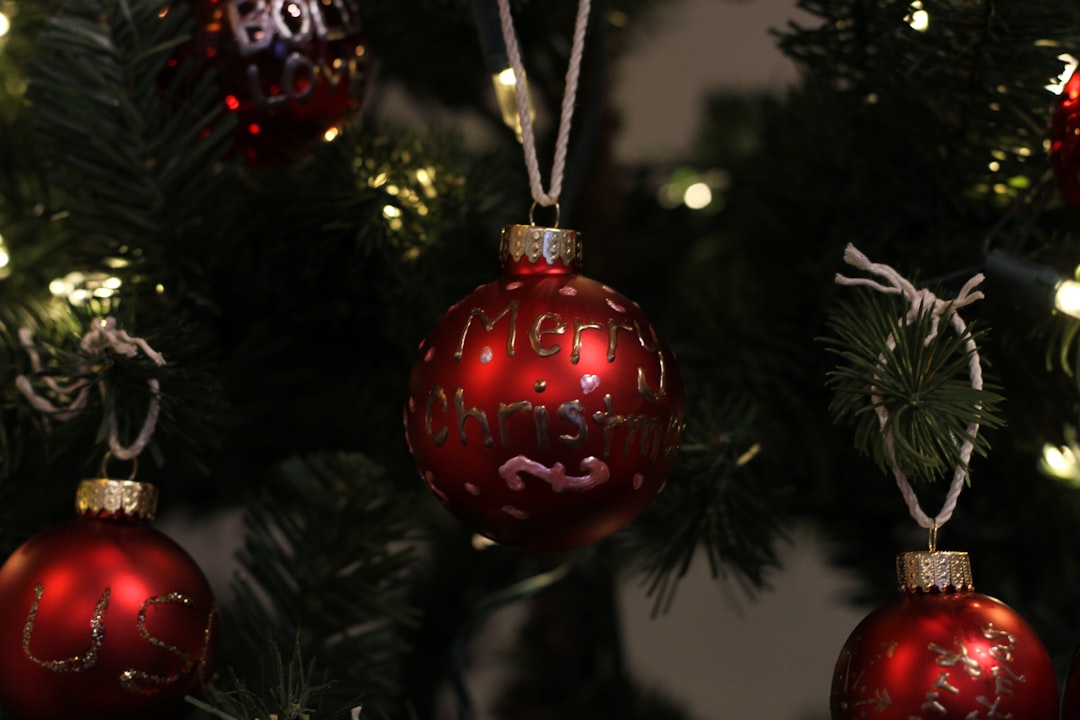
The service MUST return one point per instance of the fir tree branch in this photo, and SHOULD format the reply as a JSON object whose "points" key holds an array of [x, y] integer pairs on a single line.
{"points": [[924, 387]]}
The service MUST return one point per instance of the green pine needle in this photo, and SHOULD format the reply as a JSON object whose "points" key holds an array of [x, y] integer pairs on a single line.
{"points": [[925, 388]]}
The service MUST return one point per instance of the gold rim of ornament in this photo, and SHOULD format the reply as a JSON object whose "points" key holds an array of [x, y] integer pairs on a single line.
{"points": [[535, 243], [116, 498], [936, 571]]}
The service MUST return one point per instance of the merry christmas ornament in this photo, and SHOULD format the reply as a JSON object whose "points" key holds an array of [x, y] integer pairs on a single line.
{"points": [[291, 70], [1065, 142], [941, 650], [104, 617], [544, 410]]}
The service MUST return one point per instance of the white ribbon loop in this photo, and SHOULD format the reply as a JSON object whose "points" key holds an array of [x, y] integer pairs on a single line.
{"points": [[919, 302], [577, 50], [70, 399]]}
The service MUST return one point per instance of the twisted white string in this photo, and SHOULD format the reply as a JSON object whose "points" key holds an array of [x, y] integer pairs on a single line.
{"points": [[577, 50], [103, 335], [922, 301]]}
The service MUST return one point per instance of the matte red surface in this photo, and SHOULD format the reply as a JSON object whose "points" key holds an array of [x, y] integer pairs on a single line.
{"points": [[953, 656], [527, 368], [74, 563]]}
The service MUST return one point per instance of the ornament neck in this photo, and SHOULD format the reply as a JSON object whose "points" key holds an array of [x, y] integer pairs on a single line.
{"points": [[104, 498], [934, 572], [533, 250]]}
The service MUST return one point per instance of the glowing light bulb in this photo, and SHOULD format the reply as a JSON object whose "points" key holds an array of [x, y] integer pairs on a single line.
{"points": [[505, 84], [1060, 462], [918, 18], [1067, 297], [331, 134], [697, 196], [5, 25]]}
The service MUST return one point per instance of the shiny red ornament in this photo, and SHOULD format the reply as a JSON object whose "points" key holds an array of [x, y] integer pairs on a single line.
{"points": [[290, 70], [941, 650], [544, 410], [103, 617], [1065, 142]]}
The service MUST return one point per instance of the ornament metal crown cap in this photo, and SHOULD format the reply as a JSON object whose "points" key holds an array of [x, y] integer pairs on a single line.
{"points": [[934, 571], [104, 497], [544, 247]]}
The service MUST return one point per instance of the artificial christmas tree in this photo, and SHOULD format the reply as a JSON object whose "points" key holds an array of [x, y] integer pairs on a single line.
{"points": [[290, 299]]}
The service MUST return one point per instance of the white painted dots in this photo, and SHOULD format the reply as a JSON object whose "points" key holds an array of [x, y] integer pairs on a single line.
{"points": [[639, 480], [514, 285], [486, 355], [567, 291], [429, 354], [515, 512], [615, 306]]}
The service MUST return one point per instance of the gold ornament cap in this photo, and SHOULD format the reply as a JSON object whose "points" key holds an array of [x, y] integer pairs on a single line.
{"points": [[934, 571], [530, 249], [105, 497]]}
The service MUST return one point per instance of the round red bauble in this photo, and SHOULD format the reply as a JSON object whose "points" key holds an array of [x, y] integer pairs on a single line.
{"points": [[941, 650], [291, 70], [103, 617], [544, 410], [1065, 142]]}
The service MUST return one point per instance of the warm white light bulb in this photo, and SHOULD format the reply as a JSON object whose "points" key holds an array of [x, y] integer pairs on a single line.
{"points": [[5, 25], [1067, 297], [505, 83], [697, 196], [918, 18], [1059, 462]]}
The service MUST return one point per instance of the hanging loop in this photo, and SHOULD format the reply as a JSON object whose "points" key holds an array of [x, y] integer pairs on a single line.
{"points": [[532, 209]]}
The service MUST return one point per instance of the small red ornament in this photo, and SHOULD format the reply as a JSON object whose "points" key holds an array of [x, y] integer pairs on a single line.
{"points": [[941, 650], [1065, 141], [544, 410], [291, 70], [103, 617]]}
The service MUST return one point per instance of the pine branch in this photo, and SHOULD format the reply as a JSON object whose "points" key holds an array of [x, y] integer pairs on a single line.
{"points": [[718, 501], [924, 387], [324, 562]]}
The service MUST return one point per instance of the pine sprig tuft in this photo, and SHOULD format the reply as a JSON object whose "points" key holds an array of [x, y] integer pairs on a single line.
{"points": [[924, 387]]}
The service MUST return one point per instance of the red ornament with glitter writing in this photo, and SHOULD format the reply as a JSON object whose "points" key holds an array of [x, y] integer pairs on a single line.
{"points": [[941, 650], [544, 410], [103, 616], [291, 70], [1065, 142]]}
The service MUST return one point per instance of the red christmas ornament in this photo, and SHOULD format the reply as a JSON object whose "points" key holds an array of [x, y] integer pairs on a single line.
{"points": [[1065, 142], [103, 617], [544, 410], [291, 70], [941, 650]]}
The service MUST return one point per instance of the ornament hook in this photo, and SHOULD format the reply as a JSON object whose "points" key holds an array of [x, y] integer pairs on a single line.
{"points": [[933, 537], [532, 210], [105, 463]]}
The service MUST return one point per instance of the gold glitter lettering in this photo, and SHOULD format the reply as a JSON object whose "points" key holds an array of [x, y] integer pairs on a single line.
{"points": [[932, 704], [437, 394], [476, 414], [75, 663], [540, 417], [489, 326], [961, 659], [535, 333], [942, 683], [144, 683], [573, 411], [505, 411], [613, 331], [608, 420], [643, 385], [581, 326]]}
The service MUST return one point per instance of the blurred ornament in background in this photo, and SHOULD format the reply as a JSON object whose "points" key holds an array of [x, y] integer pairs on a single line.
{"points": [[544, 410], [1065, 140], [941, 650], [294, 72], [103, 616]]}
